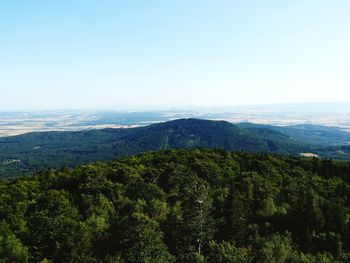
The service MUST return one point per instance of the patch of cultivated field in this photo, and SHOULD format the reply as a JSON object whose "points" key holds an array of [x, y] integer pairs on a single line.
{"points": [[24, 122]]}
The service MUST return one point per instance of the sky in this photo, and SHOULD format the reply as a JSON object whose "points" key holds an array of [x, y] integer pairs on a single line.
{"points": [[105, 54]]}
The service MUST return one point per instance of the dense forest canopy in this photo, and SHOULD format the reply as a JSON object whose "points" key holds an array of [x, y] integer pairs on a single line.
{"points": [[181, 206], [28, 153]]}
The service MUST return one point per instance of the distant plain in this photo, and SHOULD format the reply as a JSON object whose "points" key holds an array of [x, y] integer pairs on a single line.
{"points": [[327, 114]]}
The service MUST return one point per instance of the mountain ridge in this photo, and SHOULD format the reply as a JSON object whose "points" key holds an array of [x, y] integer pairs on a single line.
{"points": [[34, 151]]}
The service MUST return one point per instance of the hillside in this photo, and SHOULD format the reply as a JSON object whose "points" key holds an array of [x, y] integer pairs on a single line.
{"points": [[316, 135], [180, 206], [194, 133], [35, 151]]}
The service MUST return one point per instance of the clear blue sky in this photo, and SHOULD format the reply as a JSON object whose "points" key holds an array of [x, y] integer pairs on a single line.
{"points": [[92, 54]]}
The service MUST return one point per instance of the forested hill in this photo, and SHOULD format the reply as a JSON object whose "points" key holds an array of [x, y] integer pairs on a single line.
{"points": [[182, 206], [34, 151]]}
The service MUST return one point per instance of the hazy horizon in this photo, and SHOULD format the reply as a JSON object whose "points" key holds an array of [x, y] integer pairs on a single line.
{"points": [[141, 108], [327, 114]]}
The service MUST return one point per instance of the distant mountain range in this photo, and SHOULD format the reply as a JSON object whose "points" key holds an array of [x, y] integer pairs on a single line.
{"points": [[33, 151]]}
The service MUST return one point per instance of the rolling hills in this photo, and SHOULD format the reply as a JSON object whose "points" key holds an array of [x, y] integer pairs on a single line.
{"points": [[35, 151]]}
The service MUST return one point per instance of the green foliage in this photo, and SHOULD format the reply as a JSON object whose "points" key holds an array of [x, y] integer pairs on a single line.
{"points": [[225, 252], [28, 153], [11, 248], [142, 241], [180, 206], [278, 249]]}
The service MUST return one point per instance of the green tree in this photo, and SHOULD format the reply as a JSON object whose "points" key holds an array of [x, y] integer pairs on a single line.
{"points": [[142, 241], [54, 230], [11, 248], [278, 249], [228, 253]]}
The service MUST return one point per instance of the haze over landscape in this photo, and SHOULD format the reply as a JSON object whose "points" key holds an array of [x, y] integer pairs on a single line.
{"points": [[328, 114], [189, 131]]}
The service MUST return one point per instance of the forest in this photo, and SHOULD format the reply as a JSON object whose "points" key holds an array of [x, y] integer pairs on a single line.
{"points": [[28, 153], [186, 206]]}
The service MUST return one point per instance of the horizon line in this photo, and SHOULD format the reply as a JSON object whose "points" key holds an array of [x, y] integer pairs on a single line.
{"points": [[135, 108]]}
